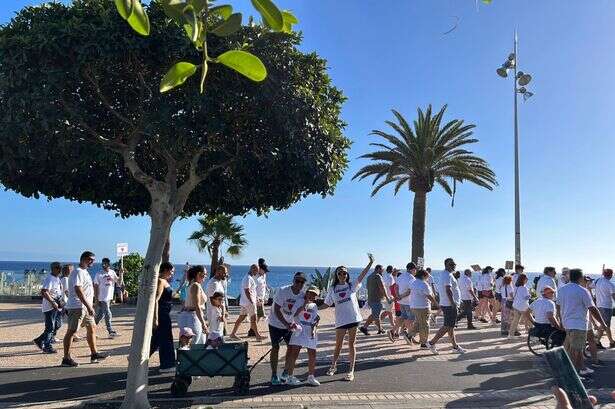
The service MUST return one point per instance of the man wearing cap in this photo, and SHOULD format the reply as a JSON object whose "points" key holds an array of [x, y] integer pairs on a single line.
{"points": [[605, 294], [547, 279], [280, 322], [543, 311], [52, 304]]}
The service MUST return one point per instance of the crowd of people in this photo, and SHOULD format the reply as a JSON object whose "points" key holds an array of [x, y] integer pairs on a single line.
{"points": [[573, 305]]}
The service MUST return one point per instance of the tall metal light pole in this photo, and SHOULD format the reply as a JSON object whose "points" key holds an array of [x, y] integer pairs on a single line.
{"points": [[521, 79]]}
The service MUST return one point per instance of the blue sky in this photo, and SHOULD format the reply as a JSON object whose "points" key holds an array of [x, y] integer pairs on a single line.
{"points": [[391, 54]]}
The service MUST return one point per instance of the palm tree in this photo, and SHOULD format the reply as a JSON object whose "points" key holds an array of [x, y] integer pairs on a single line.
{"points": [[216, 231], [419, 157]]}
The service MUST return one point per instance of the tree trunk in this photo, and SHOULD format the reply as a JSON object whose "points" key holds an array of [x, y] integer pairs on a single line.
{"points": [[162, 218], [418, 225], [166, 251], [215, 256]]}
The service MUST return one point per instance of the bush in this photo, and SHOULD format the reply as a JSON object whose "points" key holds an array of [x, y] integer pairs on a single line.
{"points": [[133, 265]]}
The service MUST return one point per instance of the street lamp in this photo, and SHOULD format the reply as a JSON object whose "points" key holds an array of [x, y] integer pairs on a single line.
{"points": [[520, 81]]}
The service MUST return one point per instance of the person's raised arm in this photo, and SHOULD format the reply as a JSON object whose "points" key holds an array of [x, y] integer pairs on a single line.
{"points": [[367, 268]]}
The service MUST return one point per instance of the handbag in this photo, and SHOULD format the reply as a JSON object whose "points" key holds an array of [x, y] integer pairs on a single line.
{"points": [[509, 303]]}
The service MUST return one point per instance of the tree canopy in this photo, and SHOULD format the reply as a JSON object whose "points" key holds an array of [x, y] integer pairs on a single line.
{"points": [[75, 82]]}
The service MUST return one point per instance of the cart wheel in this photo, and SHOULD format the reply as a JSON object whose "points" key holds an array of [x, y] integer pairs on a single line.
{"points": [[244, 385], [179, 387]]}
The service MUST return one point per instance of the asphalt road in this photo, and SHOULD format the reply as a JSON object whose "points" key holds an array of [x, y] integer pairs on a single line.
{"points": [[90, 382]]}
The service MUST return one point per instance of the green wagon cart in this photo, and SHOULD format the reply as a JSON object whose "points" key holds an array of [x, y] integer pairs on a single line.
{"points": [[230, 359]]}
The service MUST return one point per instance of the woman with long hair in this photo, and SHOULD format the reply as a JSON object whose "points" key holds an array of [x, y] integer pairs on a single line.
{"points": [[343, 294], [508, 293], [486, 298], [192, 315], [520, 305], [162, 328]]}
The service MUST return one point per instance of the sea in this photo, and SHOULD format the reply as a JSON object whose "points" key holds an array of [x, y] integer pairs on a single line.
{"points": [[278, 275]]}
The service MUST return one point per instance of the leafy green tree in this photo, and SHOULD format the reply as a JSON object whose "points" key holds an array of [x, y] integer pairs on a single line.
{"points": [[418, 157], [83, 119], [133, 266], [218, 231]]}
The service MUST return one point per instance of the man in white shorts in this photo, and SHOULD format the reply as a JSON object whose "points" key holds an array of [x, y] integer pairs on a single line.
{"points": [[247, 301]]}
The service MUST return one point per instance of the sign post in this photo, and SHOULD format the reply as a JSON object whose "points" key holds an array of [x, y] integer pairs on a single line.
{"points": [[509, 265], [121, 250]]}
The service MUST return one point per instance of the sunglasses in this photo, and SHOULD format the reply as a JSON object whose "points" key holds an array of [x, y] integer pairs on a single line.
{"points": [[342, 273]]}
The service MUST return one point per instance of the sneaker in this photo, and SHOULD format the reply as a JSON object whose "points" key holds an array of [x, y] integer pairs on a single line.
{"points": [[517, 334], [167, 370], [432, 348], [284, 377], [363, 330], [311, 380], [350, 376], [38, 343], [586, 371], [77, 338], [483, 320], [55, 341], [69, 362], [113, 334], [275, 380], [424, 346], [293, 381], [472, 327], [97, 357], [498, 321], [407, 338], [49, 350], [380, 332], [391, 336], [331, 370], [459, 350]]}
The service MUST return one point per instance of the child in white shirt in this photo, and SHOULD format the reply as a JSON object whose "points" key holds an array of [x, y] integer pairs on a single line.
{"points": [[304, 336], [215, 317]]}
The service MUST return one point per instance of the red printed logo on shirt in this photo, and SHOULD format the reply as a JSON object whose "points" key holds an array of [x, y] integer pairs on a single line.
{"points": [[342, 295], [307, 315]]}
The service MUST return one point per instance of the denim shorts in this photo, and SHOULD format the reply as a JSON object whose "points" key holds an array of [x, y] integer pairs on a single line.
{"points": [[406, 313], [376, 308]]}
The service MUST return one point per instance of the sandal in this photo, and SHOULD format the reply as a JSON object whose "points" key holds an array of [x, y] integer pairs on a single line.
{"points": [[331, 370], [350, 376]]}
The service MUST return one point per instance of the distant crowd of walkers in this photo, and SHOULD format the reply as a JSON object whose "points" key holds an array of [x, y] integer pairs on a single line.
{"points": [[409, 300]]}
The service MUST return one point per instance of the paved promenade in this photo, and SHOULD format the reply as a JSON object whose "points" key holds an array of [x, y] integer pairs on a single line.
{"points": [[493, 373]]}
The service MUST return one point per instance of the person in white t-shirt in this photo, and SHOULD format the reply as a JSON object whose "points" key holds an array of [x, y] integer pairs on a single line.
{"points": [[547, 279], [542, 314], [573, 304], [406, 318], [518, 270], [80, 307], [520, 305], [605, 294], [388, 279], [104, 288], [281, 322], [486, 298], [421, 300], [247, 301], [217, 284], [304, 335], [52, 304], [449, 302], [261, 289], [468, 297], [215, 320], [343, 295], [564, 278]]}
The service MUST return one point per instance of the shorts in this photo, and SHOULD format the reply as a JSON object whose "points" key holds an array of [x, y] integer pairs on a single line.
{"points": [[349, 326], [406, 312], [576, 339], [249, 310], [278, 334], [450, 316], [79, 318], [498, 297], [376, 308], [485, 294], [606, 313]]}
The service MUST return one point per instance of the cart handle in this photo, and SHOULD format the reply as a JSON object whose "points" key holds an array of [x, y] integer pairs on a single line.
{"points": [[259, 360]]}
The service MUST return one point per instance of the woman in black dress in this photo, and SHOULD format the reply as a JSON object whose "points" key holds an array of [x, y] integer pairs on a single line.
{"points": [[162, 334]]}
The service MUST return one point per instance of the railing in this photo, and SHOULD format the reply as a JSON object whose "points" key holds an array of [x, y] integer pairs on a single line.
{"points": [[28, 284]]}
